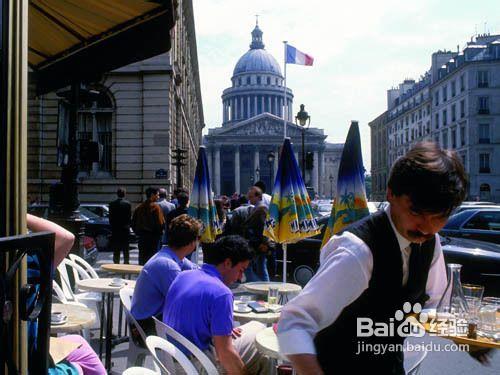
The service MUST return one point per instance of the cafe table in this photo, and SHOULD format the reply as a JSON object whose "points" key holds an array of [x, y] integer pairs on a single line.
{"points": [[286, 290], [265, 318], [78, 318], [266, 343], [127, 270], [108, 289]]}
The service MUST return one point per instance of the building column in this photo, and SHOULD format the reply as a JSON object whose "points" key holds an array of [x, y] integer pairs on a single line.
{"points": [[256, 164], [95, 136], [322, 174], [255, 105], [210, 164], [276, 160], [270, 109], [236, 114], [237, 186], [217, 171], [315, 171], [248, 107], [242, 107], [276, 112], [263, 104]]}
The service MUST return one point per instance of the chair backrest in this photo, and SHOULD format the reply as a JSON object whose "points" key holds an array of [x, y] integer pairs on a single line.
{"points": [[65, 284], [157, 343], [83, 263], [59, 292], [126, 299], [139, 371], [166, 331], [413, 360]]}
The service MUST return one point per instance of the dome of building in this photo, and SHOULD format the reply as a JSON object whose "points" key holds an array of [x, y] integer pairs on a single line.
{"points": [[257, 59]]}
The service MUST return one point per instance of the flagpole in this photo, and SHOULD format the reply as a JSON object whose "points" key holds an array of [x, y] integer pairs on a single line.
{"points": [[284, 92]]}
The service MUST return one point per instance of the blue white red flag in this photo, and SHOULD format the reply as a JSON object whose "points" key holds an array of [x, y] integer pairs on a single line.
{"points": [[294, 56]]}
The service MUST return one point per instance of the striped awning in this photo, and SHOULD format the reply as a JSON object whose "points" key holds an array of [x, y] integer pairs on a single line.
{"points": [[80, 39]]}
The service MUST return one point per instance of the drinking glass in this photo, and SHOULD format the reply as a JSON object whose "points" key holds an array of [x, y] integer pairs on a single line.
{"points": [[489, 316], [473, 295], [272, 295]]}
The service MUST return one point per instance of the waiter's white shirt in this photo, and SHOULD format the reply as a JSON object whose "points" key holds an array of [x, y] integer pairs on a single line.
{"points": [[346, 265], [266, 198]]}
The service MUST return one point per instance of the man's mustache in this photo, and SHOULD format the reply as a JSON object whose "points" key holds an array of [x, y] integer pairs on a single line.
{"points": [[418, 234]]}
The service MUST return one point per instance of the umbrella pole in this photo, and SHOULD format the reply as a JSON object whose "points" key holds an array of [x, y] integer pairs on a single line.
{"points": [[284, 262]]}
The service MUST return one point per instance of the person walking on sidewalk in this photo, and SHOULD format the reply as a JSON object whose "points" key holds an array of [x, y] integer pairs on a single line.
{"points": [[148, 224], [120, 212]]}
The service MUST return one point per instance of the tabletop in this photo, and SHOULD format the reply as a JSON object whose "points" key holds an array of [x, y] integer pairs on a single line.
{"points": [[265, 318], [103, 285], [125, 269], [79, 317], [262, 287], [266, 342]]}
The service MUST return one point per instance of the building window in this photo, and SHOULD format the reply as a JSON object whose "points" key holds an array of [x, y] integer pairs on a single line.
{"points": [[453, 88], [268, 80], [485, 195], [463, 156], [462, 135], [445, 139], [484, 105], [248, 80], [437, 120], [445, 93], [436, 98], [462, 108], [429, 109], [453, 113], [407, 120], [462, 82], [484, 163], [484, 133], [258, 80], [445, 117], [482, 78], [454, 139], [428, 127]]}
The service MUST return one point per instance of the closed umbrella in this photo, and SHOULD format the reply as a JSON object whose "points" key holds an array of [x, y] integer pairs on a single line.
{"points": [[201, 204], [350, 203], [290, 218]]}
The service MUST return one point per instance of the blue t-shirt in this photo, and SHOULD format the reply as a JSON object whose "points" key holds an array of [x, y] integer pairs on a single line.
{"points": [[199, 306], [154, 282]]}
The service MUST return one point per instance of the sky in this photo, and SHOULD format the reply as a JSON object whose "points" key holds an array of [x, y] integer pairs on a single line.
{"points": [[360, 48]]}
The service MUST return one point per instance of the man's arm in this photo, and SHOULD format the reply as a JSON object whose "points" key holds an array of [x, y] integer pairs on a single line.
{"points": [[305, 364], [228, 357]]}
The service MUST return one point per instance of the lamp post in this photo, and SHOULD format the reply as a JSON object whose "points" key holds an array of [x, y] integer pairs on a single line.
{"points": [[304, 120], [270, 159], [257, 173], [331, 185]]}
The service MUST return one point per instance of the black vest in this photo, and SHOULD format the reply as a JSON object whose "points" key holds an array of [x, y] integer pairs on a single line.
{"points": [[338, 344]]}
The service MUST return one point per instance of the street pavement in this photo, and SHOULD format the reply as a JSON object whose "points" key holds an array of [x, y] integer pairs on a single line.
{"points": [[436, 363]]}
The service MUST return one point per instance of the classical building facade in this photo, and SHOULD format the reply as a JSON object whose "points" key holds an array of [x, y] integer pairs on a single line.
{"points": [[456, 104], [138, 115], [379, 170], [246, 148]]}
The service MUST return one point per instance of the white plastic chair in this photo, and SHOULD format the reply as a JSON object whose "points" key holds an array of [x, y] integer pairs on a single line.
{"points": [[136, 354], [157, 343], [166, 331], [413, 360], [139, 371], [83, 263]]}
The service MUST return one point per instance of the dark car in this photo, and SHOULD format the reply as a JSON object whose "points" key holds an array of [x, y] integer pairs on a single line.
{"points": [[478, 224], [480, 260], [96, 226]]}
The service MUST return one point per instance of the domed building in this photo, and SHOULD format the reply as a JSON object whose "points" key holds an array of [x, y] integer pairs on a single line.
{"points": [[246, 148]]}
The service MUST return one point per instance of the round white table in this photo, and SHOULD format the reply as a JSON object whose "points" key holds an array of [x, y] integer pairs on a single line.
{"points": [[265, 318], [286, 290], [104, 286], [78, 318], [266, 342], [122, 269]]}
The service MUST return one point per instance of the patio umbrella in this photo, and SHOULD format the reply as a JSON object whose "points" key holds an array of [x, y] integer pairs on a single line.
{"points": [[350, 203], [290, 218], [201, 204]]}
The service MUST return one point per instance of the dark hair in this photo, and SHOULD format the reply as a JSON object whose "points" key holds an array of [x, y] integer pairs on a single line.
{"points": [[121, 192], [162, 192], [233, 247], [257, 191], [183, 199], [434, 179], [219, 206], [150, 191], [243, 199], [260, 184], [183, 230]]}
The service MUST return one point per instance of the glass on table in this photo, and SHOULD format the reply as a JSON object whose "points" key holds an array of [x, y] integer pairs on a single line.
{"points": [[473, 296], [272, 295], [489, 317]]}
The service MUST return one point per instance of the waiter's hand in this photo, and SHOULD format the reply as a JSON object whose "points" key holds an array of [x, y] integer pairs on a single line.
{"points": [[236, 333], [481, 355]]}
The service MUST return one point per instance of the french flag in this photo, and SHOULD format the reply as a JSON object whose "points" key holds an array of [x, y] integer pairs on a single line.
{"points": [[294, 56]]}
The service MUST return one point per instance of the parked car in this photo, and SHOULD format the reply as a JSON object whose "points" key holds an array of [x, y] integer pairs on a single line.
{"points": [[464, 207], [96, 227], [100, 209], [480, 260], [476, 223]]}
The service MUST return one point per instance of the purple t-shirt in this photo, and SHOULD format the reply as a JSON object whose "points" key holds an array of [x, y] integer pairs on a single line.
{"points": [[199, 306], [154, 282]]}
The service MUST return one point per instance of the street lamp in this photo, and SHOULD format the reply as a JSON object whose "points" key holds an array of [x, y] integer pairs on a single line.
{"points": [[304, 120], [270, 159], [331, 185], [257, 173]]}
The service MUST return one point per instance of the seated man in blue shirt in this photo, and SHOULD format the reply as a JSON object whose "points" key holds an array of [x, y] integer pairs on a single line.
{"points": [[199, 305], [161, 270]]}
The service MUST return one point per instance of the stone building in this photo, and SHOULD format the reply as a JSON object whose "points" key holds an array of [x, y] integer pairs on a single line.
{"points": [[456, 104], [138, 115], [379, 169], [246, 148]]}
